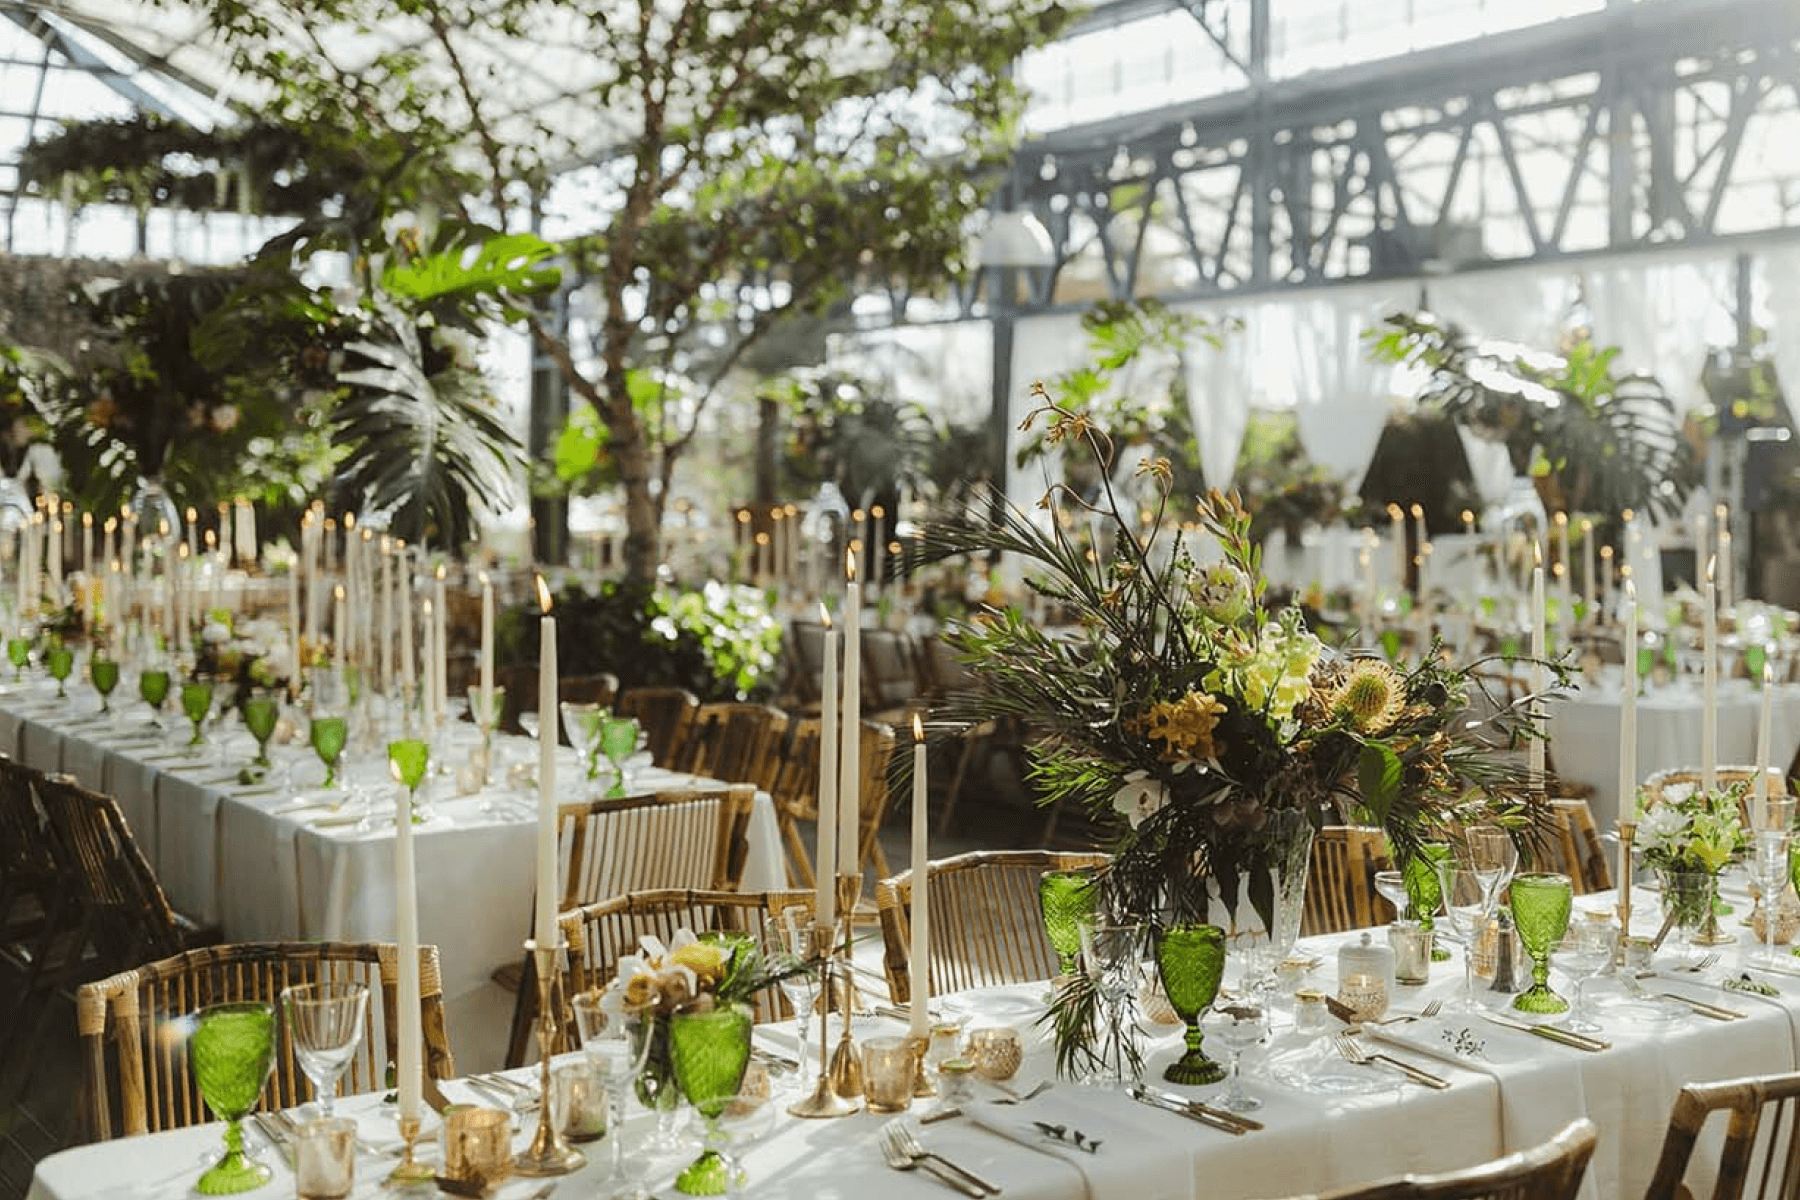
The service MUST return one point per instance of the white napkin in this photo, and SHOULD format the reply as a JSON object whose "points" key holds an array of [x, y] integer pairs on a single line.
{"points": [[1128, 1163]]}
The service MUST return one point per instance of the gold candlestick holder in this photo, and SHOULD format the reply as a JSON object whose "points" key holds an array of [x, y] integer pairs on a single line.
{"points": [[548, 1154], [824, 1101], [1627, 835], [921, 1085], [411, 1173], [846, 1061]]}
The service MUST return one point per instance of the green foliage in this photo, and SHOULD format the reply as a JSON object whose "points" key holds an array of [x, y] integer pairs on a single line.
{"points": [[852, 430], [1281, 487], [720, 642], [1606, 442]]}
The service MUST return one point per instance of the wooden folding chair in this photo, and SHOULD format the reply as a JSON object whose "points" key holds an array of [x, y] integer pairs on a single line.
{"points": [[663, 713], [1770, 1156], [1340, 885], [600, 934], [987, 924], [133, 1062]]}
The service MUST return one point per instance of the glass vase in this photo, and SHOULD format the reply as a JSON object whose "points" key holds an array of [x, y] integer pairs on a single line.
{"points": [[1691, 899]]}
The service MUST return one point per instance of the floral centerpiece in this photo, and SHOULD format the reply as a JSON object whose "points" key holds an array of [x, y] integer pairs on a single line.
{"points": [[1225, 733], [244, 655], [1687, 836]]}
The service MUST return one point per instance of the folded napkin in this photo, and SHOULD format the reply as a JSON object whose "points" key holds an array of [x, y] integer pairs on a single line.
{"points": [[1127, 1163]]}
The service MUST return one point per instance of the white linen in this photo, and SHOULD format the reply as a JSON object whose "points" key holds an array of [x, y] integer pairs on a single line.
{"points": [[1342, 396]]}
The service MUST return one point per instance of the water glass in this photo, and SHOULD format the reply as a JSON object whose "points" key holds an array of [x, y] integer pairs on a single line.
{"points": [[1587, 950], [325, 1021], [1238, 1024], [888, 1073]]}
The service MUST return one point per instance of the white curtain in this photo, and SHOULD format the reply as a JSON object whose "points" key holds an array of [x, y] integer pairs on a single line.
{"points": [[1663, 316], [1043, 348], [1781, 275], [1491, 466], [1526, 306], [1220, 382], [1342, 397]]}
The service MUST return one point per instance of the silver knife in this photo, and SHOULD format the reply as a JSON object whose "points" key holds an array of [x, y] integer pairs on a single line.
{"points": [[1717, 1012], [1550, 1033], [1205, 1116], [1185, 1102]]}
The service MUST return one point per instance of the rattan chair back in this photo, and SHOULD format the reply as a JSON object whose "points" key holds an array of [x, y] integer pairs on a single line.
{"points": [[1552, 1171], [1761, 1154], [987, 924], [663, 713], [683, 838], [1657, 785], [738, 743], [1340, 885], [600, 934], [1570, 844], [138, 1077]]}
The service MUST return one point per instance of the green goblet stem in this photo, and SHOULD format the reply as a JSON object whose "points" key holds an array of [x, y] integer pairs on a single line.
{"points": [[1540, 907], [1190, 959]]}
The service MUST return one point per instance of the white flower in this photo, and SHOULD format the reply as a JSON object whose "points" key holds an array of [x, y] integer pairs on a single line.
{"points": [[1140, 798], [215, 634]]}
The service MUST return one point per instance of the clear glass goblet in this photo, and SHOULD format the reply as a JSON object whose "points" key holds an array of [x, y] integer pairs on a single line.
{"points": [[1469, 907], [581, 725], [790, 952], [616, 1056], [1587, 950], [1112, 955], [325, 1021], [1238, 1023]]}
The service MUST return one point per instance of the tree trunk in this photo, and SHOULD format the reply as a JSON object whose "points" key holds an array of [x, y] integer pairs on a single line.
{"points": [[643, 527]]}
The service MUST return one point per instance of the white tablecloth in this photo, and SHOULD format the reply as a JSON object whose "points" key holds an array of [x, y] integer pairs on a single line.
{"points": [[1519, 1092], [235, 856], [1584, 733]]}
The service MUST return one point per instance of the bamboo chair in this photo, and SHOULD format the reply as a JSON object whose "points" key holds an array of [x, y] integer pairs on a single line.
{"points": [[600, 934], [521, 684], [28, 885], [664, 714], [738, 743], [1572, 846], [796, 794], [1340, 885], [1552, 1171], [124, 1022], [674, 839], [1772, 1163], [986, 921]]}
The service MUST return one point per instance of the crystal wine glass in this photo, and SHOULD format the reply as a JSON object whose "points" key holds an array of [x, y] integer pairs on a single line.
{"points": [[1771, 822], [1469, 906], [233, 1050], [709, 1049], [581, 725], [1239, 1023], [325, 1021], [103, 672], [59, 660], [153, 689], [616, 1057], [261, 711], [1541, 902], [328, 735], [1492, 855], [1587, 950], [1391, 886], [196, 702], [1111, 954], [745, 1119], [791, 953], [408, 759], [487, 719]]}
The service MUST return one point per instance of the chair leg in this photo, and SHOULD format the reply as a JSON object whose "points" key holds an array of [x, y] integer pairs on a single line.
{"points": [[971, 740], [799, 864]]}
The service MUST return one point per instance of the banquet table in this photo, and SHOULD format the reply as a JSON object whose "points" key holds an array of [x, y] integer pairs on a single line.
{"points": [[1516, 1092], [1584, 732], [270, 862]]}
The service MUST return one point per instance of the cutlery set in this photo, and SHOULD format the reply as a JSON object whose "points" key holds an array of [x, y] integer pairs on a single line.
{"points": [[1194, 1110]]}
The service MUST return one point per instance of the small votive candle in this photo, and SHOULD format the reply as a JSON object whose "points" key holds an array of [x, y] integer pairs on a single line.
{"points": [[478, 1145], [580, 1102], [1365, 978], [325, 1159], [888, 1074], [1311, 1017], [956, 1081], [1411, 943], [996, 1052]]}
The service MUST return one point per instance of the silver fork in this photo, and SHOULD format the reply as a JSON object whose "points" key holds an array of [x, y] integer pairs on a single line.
{"points": [[1353, 1053], [1013, 1097], [904, 1138], [900, 1160], [1705, 962]]}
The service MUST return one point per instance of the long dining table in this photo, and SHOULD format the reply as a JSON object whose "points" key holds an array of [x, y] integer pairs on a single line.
{"points": [[282, 859], [1325, 1123]]}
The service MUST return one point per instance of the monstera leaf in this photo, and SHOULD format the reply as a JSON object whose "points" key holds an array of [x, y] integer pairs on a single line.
{"points": [[422, 447], [468, 265]]}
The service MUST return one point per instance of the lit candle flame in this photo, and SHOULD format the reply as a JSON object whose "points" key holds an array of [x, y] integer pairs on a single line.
{"points": [[824, 615], [919, 728], [1630, 588], [1537, 554], [1561, 518], [337, 593], [543, 594], [484, 579], [1712, 564], [440, 571], [87, 520], [850, 565]]}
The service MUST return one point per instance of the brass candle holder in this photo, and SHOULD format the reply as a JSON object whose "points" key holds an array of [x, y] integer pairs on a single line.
{"points": [[411, 1173], [846, 1062], [1627, 834], [921, 1084], [548, 1154], [824, 1101]]}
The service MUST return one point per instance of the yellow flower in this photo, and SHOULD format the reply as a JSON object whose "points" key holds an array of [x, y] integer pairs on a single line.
{"points": [[641, 991], [1373, 696], [705, 959], [1184, 727]]}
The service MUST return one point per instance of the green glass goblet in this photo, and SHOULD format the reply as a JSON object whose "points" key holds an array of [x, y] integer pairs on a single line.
{"points": [[60, 661], [1756, 657], [328, 735], [618, 741], [104, 673], [18, 653], [233, 1050], [1190, 959], [709, 1051], [153, 689], [196, 702], [1067, 899], [1425, 891], [408, 759], [261, 711], [1540, 907]]}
